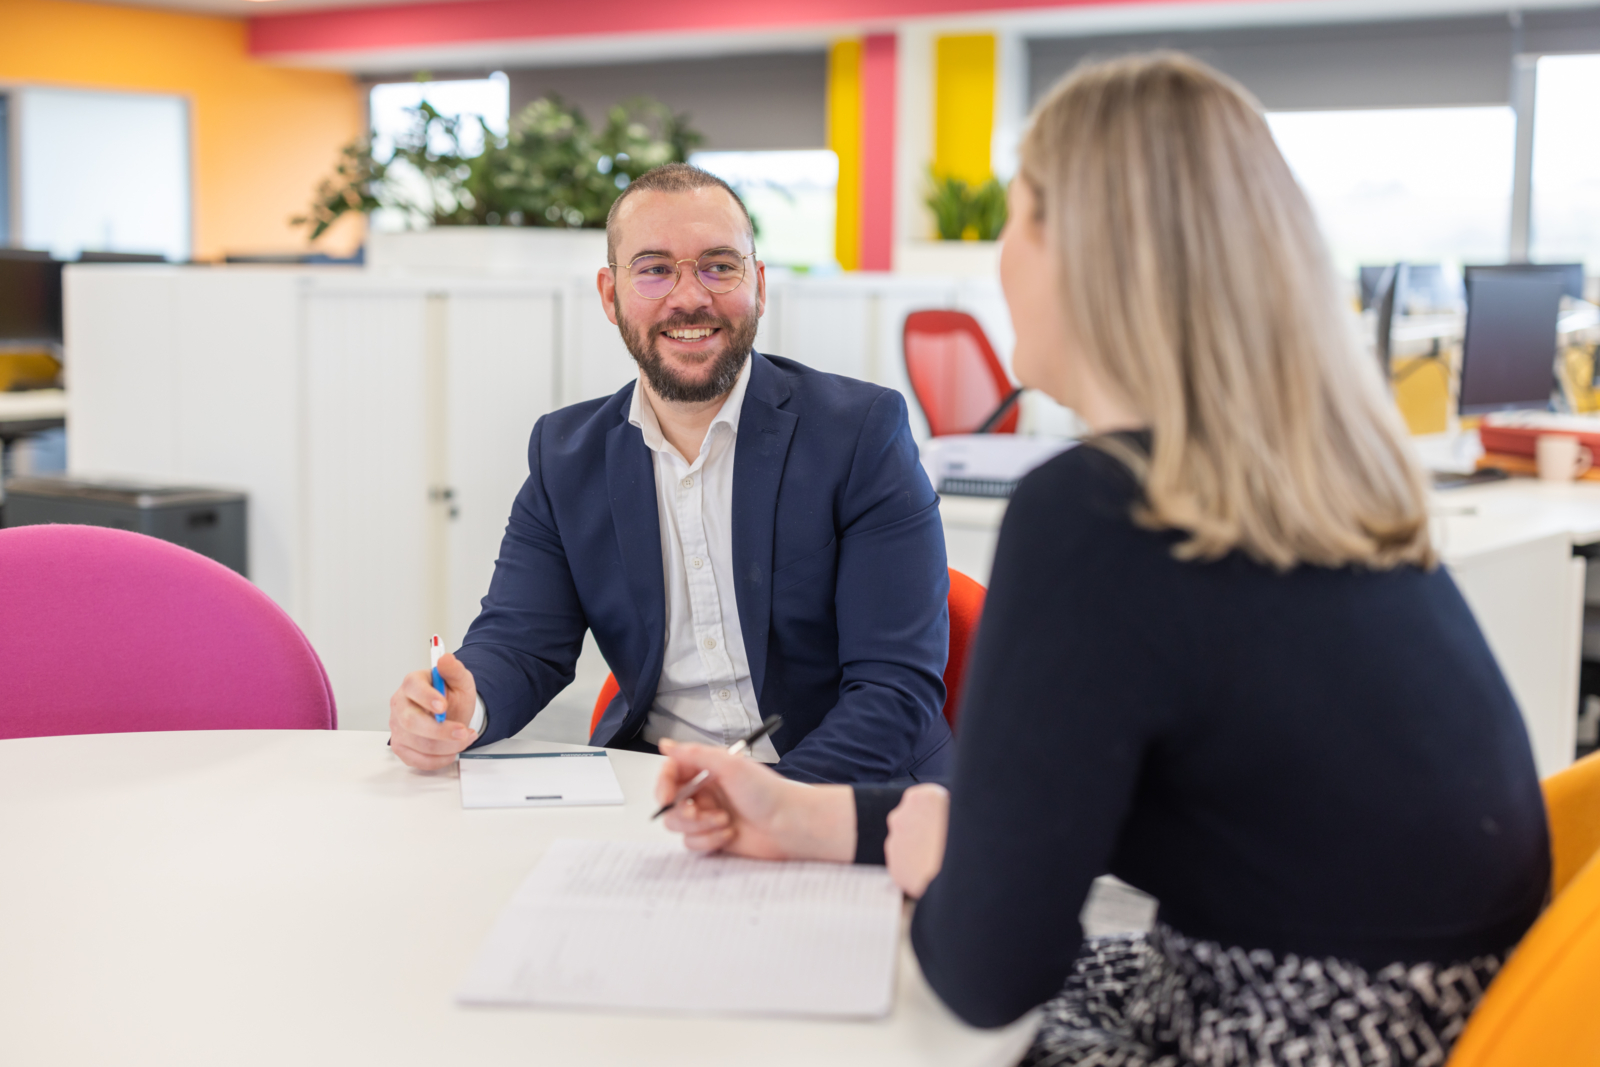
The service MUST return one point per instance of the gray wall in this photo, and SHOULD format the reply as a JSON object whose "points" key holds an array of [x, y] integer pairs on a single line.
{"points": [[777, 100], [1422, 63]]}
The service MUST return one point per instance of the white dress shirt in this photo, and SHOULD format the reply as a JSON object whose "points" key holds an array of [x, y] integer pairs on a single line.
{"points": [[705, 693]]}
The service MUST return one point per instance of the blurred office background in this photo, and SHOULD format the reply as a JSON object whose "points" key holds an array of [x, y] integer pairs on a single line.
{"points": [[370, 388]]}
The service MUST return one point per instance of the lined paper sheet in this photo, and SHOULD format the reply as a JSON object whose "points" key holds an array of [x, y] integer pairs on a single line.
{"points": [[537, 779], [626, 925]]}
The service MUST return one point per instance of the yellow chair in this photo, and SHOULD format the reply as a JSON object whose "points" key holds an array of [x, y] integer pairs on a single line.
{"points": [[1541, 1009]]}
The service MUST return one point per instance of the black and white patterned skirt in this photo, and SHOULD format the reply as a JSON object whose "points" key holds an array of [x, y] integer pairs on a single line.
{"points": [[1164, 1000]]}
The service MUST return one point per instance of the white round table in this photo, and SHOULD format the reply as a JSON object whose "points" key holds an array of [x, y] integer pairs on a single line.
{"points": [[262, 897]]}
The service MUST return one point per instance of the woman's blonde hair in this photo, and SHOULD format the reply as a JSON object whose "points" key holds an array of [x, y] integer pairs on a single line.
{"points": [[1194, 278]]}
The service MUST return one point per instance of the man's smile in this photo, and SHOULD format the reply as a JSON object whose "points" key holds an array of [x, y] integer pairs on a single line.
{"points": [[696, 333]]}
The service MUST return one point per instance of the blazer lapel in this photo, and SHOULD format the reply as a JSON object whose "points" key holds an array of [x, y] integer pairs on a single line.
{"points": [[765, 432], [631, 485]]}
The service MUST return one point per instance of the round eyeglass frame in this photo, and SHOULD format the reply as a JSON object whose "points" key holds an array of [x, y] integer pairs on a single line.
{"points": [[678, 274]]}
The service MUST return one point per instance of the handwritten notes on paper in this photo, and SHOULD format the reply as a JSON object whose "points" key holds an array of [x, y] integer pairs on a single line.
{"points": [[625, 925]]}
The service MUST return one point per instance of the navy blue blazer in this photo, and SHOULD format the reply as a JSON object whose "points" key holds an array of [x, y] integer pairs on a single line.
{"points": [[839, 556]]}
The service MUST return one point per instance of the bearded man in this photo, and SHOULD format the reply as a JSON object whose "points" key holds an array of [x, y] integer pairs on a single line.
{"points": [[745, 536]]}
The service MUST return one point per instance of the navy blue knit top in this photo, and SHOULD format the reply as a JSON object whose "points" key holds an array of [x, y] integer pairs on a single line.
{"points": [[1321, 762]]}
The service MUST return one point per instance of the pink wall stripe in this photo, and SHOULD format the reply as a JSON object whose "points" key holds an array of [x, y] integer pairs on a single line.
{"points": [[422, 24], [877, 151]]}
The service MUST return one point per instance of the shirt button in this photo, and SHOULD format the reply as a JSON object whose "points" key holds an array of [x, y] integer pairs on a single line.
{"points": [[688, 483], [710, 642], [722, 694], [698, 562]]}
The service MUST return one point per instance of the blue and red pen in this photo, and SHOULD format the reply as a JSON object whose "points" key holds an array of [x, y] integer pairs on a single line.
{"points": [[435, 650]]}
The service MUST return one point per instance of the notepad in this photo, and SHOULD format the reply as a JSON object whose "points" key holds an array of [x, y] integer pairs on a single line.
{"points": [[654, 927], [537, 779]]}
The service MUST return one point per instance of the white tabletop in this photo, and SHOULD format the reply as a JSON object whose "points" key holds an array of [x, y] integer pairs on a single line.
{"points": [[1485, 518], [259, 897]]}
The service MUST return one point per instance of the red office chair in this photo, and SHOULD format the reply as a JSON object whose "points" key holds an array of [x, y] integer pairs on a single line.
{"points": [[958, 380], [966, 605]]}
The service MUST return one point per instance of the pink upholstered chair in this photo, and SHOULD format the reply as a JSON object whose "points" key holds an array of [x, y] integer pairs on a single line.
{"points": [[105, 631]]}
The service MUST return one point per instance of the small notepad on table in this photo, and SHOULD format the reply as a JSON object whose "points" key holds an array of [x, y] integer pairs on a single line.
{"points": [[653, 927], [537, 779]]}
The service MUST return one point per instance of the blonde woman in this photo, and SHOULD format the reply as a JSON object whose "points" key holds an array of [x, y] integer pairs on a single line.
{"points": [[1218, 658]]}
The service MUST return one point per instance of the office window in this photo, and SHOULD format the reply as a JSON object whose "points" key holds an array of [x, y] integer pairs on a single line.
{"points": [[1420, 184], [1566, 162], [391, 103], [391, 108], [101, 171], [791, 197]]}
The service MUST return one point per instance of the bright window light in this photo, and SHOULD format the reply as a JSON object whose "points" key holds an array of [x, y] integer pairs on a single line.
{"points": [[791, 196], [1424, 185], [102, 171], [1566, 162], [489, 98]]}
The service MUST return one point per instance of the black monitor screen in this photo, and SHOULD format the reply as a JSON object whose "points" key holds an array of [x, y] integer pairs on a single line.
{"points": [[1571, 274], [30, 298], [1508, 357]]}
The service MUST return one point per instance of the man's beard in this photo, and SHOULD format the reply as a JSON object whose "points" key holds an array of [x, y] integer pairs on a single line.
{"points": [[643, 344]]}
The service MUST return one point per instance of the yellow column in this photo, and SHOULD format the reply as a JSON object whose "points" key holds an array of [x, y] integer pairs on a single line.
{"points": [[844, 137], [963, 123]]}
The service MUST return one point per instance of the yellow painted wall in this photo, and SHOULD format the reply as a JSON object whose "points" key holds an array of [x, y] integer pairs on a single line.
{"points": [[963, 123], [261, 137], [844, 137]]}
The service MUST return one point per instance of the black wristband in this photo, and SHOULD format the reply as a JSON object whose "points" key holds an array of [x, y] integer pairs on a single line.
{"points": [[873, 805]]}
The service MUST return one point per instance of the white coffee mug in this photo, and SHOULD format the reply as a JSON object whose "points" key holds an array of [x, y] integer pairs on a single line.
{"points": [[1562, 458]]}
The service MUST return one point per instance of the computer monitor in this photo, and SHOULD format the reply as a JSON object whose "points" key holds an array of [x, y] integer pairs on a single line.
{"points": [[1571, 274], [1369, 279], [1426, 289], [30, 298], [1508, 356]]}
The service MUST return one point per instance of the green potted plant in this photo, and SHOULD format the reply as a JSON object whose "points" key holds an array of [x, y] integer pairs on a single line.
{"points": [[963, 212], [550, 169], [495, 210]]}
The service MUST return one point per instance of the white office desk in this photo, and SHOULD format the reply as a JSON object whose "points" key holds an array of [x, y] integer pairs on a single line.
{"points": [[1508, 546], [36, 405], [276, 898]]}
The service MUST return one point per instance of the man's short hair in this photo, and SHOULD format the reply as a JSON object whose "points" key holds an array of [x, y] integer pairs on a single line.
{"points": [[671, 178]]}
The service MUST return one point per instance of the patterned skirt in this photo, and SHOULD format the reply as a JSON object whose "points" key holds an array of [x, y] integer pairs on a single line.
{"points": [[1164, 1000]]}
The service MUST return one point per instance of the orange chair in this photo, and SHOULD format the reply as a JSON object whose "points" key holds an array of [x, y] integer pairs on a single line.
{"points": [[958, 379], [966, 605], [1541, 1008]]}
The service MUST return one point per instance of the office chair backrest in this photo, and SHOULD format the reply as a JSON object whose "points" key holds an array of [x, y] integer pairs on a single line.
{"points": [[106, 631], [1572, 804], [1540, 1008], [954, 372], [966, 605]]}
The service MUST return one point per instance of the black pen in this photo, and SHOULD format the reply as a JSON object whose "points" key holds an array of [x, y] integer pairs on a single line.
{"points": [[739, 747]]}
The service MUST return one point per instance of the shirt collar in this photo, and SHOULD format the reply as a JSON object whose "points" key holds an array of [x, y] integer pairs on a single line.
{"points": [[643, 415]]}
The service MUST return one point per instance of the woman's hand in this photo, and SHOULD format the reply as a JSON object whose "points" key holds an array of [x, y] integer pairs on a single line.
{"points": [[915, 846], [747, 809]]}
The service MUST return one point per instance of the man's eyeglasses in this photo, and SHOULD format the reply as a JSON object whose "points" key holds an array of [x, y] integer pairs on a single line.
{"points": [[719, 270]]}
